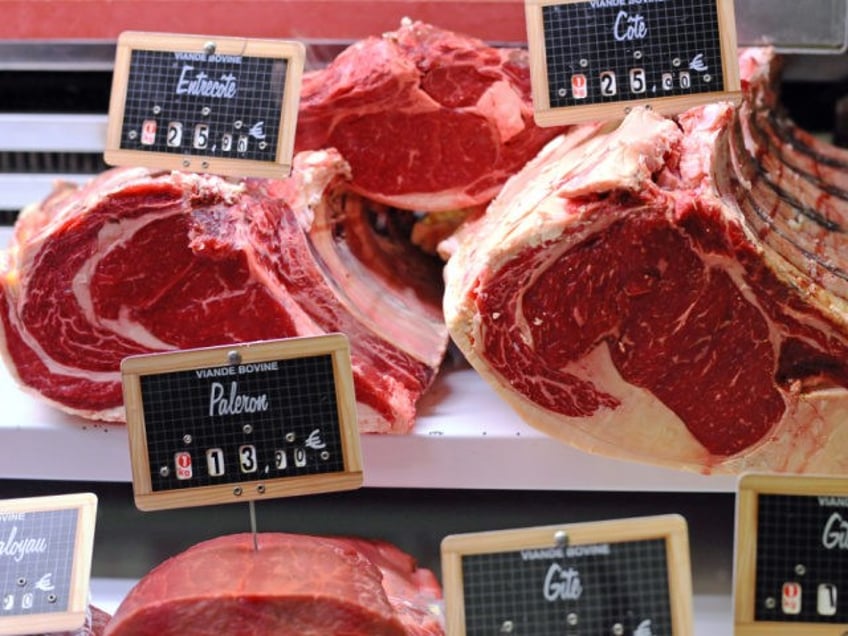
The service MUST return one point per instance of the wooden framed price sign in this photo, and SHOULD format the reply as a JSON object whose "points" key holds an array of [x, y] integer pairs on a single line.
{"points": [[241, 423], [205, 104], [46, 547], [628, 576], [594, 60], [791, 556]]}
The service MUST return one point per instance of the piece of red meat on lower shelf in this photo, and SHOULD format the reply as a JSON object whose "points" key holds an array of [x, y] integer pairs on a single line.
{"points": [[429, 120], [293, 584], [673, 291], [138, 261]]}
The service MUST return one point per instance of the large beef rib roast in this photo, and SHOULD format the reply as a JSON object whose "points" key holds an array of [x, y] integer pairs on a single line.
{"points": [[673, 291], [138, 261], [428, 119], [293, 584]]}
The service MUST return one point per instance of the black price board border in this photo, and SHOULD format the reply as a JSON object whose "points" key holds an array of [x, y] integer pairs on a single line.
{"points": [[134, 368], [74, 612], [547, 114], [671, 528], [294, 54], [750, 487]]}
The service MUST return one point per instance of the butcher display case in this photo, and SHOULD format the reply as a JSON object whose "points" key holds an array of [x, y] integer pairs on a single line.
{"points": [[470, 463]]}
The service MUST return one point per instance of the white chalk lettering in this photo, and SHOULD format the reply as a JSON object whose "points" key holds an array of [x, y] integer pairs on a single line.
{"points": [[234, 403], [835, 534], [562, 585], [201, 85], [629, 27], [17, 549]]}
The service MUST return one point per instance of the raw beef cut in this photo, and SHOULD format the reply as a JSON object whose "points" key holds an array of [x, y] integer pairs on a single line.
{"points": [[428, 119], [139, 261], [294, 584], [671, 292]]}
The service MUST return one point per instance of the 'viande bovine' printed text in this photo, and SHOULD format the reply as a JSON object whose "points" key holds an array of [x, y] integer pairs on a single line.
{"points": [[238, 369], [607, 4]]}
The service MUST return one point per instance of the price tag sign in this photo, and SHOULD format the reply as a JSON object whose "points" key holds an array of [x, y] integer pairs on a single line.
{"points": [[614, 577], [597, 59], [46, 547], [791, 556], [241, 423], [204, 104]]}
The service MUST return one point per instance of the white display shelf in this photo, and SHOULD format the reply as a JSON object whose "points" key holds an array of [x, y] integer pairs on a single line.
{"points": [[465, 437]]}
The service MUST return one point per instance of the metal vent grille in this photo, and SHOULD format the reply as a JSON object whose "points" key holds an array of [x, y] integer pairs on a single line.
{"points": [[51, 162]]}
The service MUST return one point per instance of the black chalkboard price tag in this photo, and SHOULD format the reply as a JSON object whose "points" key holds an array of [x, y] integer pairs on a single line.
{"points": [[204, 104], [46, 547], [242, 423], [791, 556], [628, 576], [597, 59]]}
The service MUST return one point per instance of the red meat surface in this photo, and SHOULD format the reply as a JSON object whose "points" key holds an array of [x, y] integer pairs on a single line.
{"points": [[139, 261], [294, 584], [429, 119]]}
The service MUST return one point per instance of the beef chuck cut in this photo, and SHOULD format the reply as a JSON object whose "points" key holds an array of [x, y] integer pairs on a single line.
{"points": [[428, 119], [139, 262], [672, 292], [294, 584]]}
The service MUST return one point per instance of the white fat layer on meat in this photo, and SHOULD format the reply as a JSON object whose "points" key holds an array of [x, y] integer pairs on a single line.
{"points": [[368, 301], [370, 421], [578, 232], [110, 237], [619, 432]]}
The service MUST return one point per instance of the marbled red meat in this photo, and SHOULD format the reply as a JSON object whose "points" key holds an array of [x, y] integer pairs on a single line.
{"points": [[428, 119], [139, 262], [673, 291], [294, 584]]}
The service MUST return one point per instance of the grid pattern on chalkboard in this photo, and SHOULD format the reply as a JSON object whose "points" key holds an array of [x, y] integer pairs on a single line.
{"points": [[628, 587], [40, 583], [163, 113], [299, 433], [594, 55], [791, 535]]}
